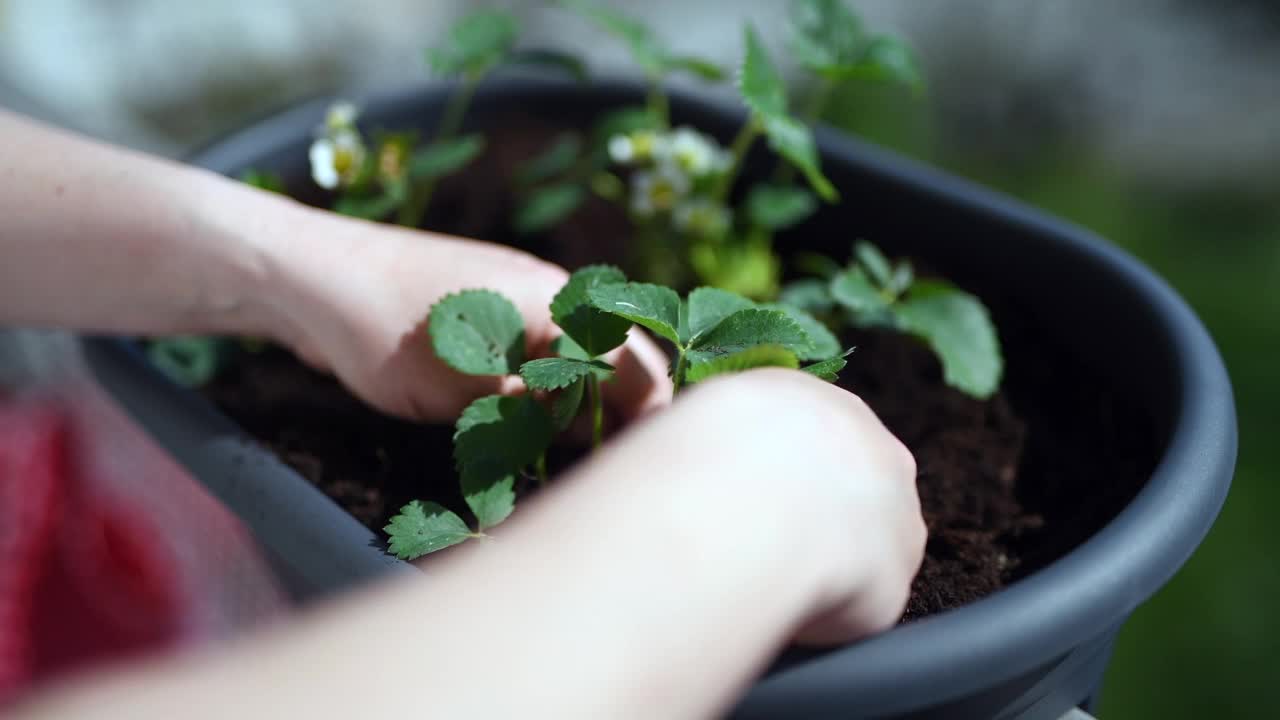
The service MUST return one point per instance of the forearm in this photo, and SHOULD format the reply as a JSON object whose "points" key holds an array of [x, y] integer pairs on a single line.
{"points": [[104, 239], [623, 594]]}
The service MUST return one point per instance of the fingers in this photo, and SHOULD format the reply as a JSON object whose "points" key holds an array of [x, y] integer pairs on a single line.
{"points": [[863, 480], [641, 384]]}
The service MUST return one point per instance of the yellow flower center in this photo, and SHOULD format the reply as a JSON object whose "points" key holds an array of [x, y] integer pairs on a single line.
{"points": [[642, 145], [344, 159], [663, 194]]}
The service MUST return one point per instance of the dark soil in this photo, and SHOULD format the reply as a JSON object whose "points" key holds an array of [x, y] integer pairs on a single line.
{"points": [[1007, 485]]}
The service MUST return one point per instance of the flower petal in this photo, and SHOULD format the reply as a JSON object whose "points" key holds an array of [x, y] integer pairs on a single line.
{"points": [[322, 155]]}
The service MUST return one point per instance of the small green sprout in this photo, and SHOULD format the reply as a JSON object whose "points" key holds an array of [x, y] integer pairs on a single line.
{"points": [[874, 292], [500, 440]]}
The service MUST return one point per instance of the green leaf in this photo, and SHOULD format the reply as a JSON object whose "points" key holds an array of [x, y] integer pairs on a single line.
{"points": [[651, 306], [824, 344], [886, 59], [475, 44], [264, 180], [793, 140], [759, 81], [817, 264], [499, 435], [645, 48], [478, 332], [565, 347], [565, 406], [830, 368], [444, 157], [556, 373], [556, 159], [903, 276], [764, 92], [594, 331], [752, 357], [568, 63], [958, 328], [825, 35], [749, 328], [548, 206], [747, 269], [708, 307], [423, 528], [777, 207], [372, 207], [608, 186], [853, 289], [810, 294], [490, 495], [874, 262], [703, 69], [189, 360]]}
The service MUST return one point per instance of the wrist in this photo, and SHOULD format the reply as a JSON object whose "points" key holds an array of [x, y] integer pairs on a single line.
{"points": [[259, 239]]}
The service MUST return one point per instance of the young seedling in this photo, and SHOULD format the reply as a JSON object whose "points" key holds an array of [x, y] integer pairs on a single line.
{"points": [[499, 439], [398, 176], [874, 292]]}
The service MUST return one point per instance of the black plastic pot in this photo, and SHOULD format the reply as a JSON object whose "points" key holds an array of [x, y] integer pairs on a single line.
{"points": [[1033, 650]]}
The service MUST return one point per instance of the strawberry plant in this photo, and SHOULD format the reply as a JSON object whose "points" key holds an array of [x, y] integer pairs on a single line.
{"points": [[392, 172], [499, 440], [872, 292]]}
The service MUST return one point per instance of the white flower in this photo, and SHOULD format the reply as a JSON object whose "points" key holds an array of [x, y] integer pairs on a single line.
{"points": [[695, 153], [337, 159], [659, 190], [340, 116], [640, 146], [702, 217]]}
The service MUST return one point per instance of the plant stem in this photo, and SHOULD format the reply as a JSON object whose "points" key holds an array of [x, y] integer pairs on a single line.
{"points": [[657, 102], [738, 153], [815, 104], [597, 411], [415, 208], [542, 469], [677, 377]]}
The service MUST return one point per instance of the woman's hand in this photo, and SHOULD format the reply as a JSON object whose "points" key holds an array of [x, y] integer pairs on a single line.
{"points": [[355, 299], [124, 243], [796, 478]]}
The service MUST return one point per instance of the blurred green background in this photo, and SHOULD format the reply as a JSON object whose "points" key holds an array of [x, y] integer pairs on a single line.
{"points": [[1155, 123]]}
